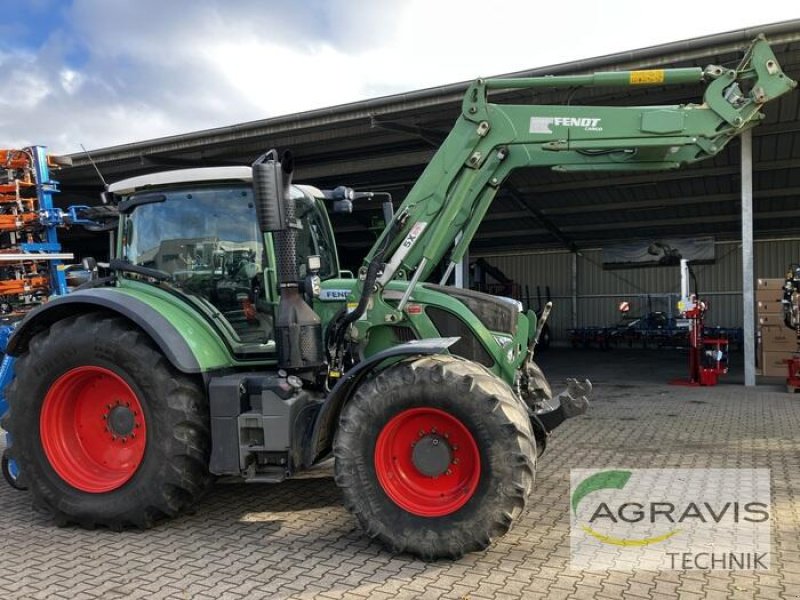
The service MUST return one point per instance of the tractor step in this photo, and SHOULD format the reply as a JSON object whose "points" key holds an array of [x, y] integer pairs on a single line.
{"points": [[273, 475]]}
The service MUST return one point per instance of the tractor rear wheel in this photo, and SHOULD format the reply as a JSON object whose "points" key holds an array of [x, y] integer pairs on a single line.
{"points": [[435, 457], [105, 430]]}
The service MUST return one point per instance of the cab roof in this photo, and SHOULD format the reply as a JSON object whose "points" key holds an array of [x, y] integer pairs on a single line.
{"points": [[205, 174]]}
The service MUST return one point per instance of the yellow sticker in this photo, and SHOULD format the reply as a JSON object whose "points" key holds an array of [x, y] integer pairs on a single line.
{"points": [[61, 268], [647, 77]]}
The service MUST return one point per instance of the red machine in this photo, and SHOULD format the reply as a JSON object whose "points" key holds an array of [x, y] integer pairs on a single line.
{"points": [[708, 357], [793, 380]]}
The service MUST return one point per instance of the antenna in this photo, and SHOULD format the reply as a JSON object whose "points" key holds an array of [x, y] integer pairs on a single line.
{"points": [[94, 164]]}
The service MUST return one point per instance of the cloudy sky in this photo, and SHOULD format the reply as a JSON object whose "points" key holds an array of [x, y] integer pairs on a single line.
{"points": [[105, 72]]}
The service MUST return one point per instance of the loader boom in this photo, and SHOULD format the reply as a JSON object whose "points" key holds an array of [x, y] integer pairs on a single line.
{"points": [[489, 141]]}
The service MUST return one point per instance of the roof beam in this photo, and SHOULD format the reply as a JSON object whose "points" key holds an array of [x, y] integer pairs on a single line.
{"points": [[667, 202], [631, 225], [434, 137], [511, 192], [778, 214], [304, 172]]}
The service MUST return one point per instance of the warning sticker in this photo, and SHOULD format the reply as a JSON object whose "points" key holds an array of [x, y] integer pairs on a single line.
{"points": [[647, 77]]}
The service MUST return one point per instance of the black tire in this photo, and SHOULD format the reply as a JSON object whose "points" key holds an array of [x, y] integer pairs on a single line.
{"points": [[15, 480], [499, 425], [173, 471], [538, 385]]}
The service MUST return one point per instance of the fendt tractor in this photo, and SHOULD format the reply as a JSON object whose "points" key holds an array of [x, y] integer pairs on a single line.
{"points": [[228, 342]]}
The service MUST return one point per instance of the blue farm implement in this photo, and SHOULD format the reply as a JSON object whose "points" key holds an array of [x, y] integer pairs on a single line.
{"points": [[32, 267]]}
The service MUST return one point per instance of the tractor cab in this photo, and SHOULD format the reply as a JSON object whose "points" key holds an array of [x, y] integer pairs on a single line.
{"points": [[196, 230]]}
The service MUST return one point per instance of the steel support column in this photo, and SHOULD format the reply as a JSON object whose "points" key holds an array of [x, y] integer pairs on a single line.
{"points": [[462, 272], [748, 301], [574, 290], [459, 269]]}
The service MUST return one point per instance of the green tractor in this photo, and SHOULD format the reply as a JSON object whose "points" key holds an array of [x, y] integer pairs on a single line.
{"points": [[228, 341]]}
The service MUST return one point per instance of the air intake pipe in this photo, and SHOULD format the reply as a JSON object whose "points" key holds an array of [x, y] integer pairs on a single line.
{"points": [[298, 329]]}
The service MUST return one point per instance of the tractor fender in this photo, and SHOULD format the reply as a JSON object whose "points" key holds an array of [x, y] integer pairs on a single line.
{"points": [[161, 331], [324, 427]]}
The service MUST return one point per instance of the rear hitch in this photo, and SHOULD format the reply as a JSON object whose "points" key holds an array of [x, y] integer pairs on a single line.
{"points": [[572, 402]]}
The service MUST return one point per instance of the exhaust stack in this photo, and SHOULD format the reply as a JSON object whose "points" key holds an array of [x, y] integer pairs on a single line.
{"points": [[298, 329]]}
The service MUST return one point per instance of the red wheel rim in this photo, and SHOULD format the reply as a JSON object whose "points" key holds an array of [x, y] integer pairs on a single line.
{"points": [[444, 489], [93, 429]]}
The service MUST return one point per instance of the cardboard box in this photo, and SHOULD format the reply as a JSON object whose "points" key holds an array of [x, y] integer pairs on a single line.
{"points": [[778, 338], [768, 296], [767, 319], [774, 306], [773, 364], [770, 284]]}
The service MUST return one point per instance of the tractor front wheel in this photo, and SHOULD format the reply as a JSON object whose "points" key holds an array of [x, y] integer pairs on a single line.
{"points": [[105, 430], [435, 457]]}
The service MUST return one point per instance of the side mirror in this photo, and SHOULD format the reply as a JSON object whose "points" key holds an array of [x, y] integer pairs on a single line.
{"points": [[342, 198], [271, 177]]}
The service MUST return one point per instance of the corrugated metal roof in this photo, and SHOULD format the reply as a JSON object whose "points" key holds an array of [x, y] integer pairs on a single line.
{"points": [[343, 145]]}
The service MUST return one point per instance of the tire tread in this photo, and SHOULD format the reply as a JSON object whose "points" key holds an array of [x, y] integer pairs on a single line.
{"points": [[182, 478], [502, 412]]}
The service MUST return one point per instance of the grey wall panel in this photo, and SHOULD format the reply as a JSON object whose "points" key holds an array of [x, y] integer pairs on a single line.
{"points": [[547, 269], [600, 291]]}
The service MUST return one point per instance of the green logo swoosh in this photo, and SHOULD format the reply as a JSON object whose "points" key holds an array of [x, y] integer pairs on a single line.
{"points": [[599, 481], [610, 480]]}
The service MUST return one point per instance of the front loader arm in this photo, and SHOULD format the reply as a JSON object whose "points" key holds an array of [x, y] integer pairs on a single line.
{"points": [[489, 141]]}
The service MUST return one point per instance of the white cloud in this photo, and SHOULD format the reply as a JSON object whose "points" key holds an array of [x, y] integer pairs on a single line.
{"points": [[22, 85], [71, 80], [124, 71]]}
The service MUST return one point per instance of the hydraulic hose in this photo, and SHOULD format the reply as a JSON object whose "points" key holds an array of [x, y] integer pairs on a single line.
{"points": [[373, 270]]}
